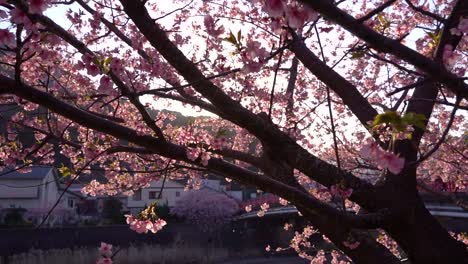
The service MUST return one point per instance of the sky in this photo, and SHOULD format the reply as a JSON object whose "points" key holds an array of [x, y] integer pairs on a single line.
{"points": [[58, 15]]}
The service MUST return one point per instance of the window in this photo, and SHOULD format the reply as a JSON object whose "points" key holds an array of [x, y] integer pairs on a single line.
{"points": [[177, 194], [137, 195], [153, 195], [71, 202]]}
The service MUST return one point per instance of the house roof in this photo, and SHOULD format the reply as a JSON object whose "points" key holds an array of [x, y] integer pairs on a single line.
{"points": [[35, 173]]}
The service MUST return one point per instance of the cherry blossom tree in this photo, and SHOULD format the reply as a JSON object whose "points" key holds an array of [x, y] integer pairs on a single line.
{"points": [[208, 209], [364, 98]]}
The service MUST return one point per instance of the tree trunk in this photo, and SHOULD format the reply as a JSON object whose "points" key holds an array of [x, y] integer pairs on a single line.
{"points": [[425, 241]]}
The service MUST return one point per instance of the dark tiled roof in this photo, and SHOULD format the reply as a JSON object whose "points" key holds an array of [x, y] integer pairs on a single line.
{"points": [[36, 173]]}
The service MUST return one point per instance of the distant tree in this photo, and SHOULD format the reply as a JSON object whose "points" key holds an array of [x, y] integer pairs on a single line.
{"points": [[208, 209]]}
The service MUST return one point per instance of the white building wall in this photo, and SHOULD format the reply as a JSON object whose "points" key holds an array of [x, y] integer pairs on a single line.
{"points": [[23, 193], [35, 194], [171, 193], [235, 195]]}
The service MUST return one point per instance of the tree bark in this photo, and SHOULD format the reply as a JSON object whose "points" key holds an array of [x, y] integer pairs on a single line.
{"points": [[424, 239]]}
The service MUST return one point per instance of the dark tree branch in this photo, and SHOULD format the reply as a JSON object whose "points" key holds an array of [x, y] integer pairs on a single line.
{"points": [[292, 84], [330, 111], [348, 93], [461, 107], [444, 134], [425, 12], [272, 93], [376, 11], [408, 87], [435, 70]]}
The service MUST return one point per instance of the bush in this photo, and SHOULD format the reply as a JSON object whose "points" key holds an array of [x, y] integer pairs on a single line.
{"points": [[163, 211], [112, 211], [14, 217]]}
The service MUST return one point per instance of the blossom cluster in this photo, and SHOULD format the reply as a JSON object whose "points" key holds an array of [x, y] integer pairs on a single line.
{"points": [[88, 64], [263, 209], [143, 226], [461, 29], [211, 28], [384, 159], [147, 220], [105, 250], [301, 241], [253, 56], [295, 13]]}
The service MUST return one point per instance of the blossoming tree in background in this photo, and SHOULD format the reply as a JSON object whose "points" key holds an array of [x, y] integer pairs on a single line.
{"points": [[366, 98], [208, 209]]}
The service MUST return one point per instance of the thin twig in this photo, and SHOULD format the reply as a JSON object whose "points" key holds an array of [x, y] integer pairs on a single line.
{"points": [[407, 87], [164, 179], [332, 123], [272, 94], [444, 134], [376, 11]]}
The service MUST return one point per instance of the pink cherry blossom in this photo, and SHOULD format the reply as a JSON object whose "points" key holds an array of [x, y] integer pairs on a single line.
{"points": [[461, 29], [283, 202], [391, 162], [105, 84], [105, 249], [192, 153], [211, 26], [384, 159], [274, 8], [19, 17], [261, 213], [104, 260], [371, 150], [254, 56], [87, 59], [143, 226], [205, 157], [7, 38], [37, 6], [296, 16], [116, 66], [93, 69]]}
